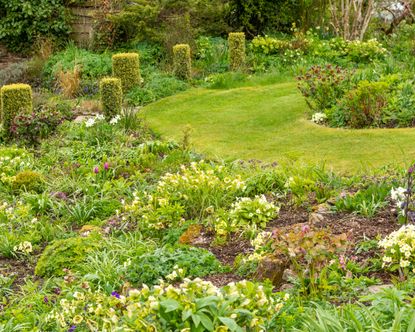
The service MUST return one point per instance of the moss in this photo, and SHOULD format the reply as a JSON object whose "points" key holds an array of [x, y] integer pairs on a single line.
{"points": [[14, 99], [111, 96], [182, 61], [65, 254], [126, 67], [29, 181], [236, 41]]}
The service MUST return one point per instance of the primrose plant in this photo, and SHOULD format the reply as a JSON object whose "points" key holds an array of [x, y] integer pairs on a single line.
{"points": [[404, 198]]}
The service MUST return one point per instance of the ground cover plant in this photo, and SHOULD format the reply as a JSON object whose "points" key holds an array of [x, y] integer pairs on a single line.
{"points": [[207, 167], [97, 237]]}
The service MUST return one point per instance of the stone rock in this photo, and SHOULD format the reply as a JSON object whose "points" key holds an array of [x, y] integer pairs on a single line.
{"points": [[315, 218], [322, 208], [288, 275], [378, 288], [81, 118], [273, 269], [286, 287]]}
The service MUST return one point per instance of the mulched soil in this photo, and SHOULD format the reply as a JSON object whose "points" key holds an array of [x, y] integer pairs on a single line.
{"points": [[357, 227], [17, 269]]}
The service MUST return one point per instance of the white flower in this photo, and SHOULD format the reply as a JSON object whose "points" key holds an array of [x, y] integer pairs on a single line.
{"points": [[115, 120], [398, 194], [24, 247], [319, 117], [99, 117], [90, 122]]}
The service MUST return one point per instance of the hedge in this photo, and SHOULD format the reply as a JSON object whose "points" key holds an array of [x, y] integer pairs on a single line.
{"points": [[182, 61], [14, 99], [111, 96], [126, 67], [236, 41]]}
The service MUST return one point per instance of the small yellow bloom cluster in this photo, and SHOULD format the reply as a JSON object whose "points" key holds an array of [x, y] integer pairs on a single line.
{"points": [[199, 176], [247, 214], [10, 166], [194, 192], [168, 307], [24, 248], [399, 248]]}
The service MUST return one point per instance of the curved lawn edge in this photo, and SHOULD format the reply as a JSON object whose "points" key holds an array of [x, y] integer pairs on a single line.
{"points": [[268, 123]]}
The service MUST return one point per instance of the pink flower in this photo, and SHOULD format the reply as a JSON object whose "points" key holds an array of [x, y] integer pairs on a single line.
{"points": [[106, 166], [96, 170], [305, 228]]}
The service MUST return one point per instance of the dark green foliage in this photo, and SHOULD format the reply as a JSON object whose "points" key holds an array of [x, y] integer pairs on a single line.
{"points": [[22, 21], [126, 67], [14, 99], [111, 96], [259, 16], [363, 106], [65, 254], [171, 22], [182, 61], [236, 42], [152, 266]]}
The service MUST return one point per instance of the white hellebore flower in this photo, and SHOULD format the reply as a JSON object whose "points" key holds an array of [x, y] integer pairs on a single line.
{"points": [[90, 122], [319, 117], [115, 120]]}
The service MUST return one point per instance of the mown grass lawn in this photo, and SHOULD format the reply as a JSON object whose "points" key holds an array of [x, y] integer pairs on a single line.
{"points": [[270, 123]]}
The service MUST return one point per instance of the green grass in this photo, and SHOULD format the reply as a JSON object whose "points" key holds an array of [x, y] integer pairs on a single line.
{"points": [[270, 123]]}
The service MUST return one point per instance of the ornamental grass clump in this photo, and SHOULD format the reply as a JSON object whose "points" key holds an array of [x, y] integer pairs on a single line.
{"points": [[126, 67], [111, 96], [236, 42], [15, 98], [399, 250], [182, 61]]}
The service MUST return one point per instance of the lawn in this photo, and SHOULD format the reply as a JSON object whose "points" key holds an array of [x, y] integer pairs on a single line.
{"points": [[270, 123]]}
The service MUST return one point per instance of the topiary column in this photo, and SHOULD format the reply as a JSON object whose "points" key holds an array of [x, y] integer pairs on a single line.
{"points": [[14, 99], [126, 67], [182, 61], [236, 41], [111, 96]]}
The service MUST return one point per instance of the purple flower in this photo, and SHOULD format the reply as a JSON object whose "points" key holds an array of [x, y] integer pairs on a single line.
{"points": [[115, 294], [106, 166], [72, 328], [45, 299], [96, 170], [411, 170], [60, 195]]}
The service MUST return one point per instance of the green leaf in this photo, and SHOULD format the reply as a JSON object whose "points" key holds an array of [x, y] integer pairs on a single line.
{"points": [[186, 314], [230, 324], [206, 322], [170, 305], [196, 319], [204, 302]]}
